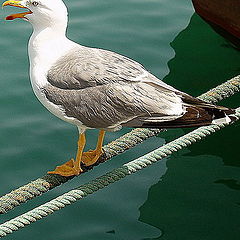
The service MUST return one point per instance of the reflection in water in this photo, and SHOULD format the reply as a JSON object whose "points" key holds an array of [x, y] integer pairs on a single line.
{"points": [[203, 59], [231, 183], [210, 60], [187, 203]]}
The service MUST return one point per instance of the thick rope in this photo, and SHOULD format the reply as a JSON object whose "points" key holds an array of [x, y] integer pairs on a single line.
{"points": [[129, 140], [50, 181], [108, 178]]}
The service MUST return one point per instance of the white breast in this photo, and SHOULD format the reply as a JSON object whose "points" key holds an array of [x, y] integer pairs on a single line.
{"points": [[44, 50]]}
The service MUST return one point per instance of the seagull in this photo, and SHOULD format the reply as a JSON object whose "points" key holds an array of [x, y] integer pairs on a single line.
{"points": [[98, 89]]}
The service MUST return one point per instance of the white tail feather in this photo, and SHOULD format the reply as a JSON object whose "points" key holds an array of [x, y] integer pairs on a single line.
{"points": [[223, 120]]}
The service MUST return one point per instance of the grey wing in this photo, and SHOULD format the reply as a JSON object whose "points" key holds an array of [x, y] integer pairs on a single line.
{"points": [[106, 90], [113, 105], [86, 67]]}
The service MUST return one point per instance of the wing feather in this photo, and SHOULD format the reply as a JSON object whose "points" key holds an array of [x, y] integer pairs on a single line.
{"points": [[111, 105], [86, 67], [103, 89]]}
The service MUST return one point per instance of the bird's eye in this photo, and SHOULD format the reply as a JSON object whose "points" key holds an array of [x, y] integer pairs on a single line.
{"points": [[35, 3]]}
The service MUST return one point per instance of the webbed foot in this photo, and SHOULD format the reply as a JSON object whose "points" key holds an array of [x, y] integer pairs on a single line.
{"points": [[67, 169], [91, 157]]}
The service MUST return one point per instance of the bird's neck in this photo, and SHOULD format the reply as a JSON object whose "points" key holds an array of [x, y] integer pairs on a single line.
{"points": [[45, 47]]}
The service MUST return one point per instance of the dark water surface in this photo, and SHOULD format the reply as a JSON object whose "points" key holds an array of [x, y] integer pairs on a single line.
{"points": [[192, 195]]}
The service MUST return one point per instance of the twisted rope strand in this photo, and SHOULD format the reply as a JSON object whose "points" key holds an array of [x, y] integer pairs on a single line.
{"points": [[129, 140], [108, 178]]}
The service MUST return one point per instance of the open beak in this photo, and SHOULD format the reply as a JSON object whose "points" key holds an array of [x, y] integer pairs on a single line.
{"points": [[16, 4]]}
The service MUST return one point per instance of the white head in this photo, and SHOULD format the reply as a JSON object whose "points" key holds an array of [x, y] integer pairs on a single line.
{"points": [[41, 13]]}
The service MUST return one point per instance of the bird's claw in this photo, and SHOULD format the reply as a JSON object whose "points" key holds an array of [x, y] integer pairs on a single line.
{"points": [[68, 169], [91, 157]]}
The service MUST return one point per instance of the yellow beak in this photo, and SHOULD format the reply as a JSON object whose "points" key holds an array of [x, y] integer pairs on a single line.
{"points": [[15, 4]]}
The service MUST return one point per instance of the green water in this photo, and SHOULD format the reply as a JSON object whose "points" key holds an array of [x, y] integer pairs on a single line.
{"points": [[192, 195]]}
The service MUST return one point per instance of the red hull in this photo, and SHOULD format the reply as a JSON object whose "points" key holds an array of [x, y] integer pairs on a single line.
{"points": [[223, 15]]}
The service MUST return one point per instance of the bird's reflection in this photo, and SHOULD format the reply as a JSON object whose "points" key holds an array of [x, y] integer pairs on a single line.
{"points": [[189, 202]]}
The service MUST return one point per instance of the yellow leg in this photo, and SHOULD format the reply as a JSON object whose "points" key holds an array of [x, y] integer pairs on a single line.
{"points": [[90, 157], [72, 167]]}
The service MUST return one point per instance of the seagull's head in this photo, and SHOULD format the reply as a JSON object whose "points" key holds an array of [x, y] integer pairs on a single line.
{"points": [[44, 13]]}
